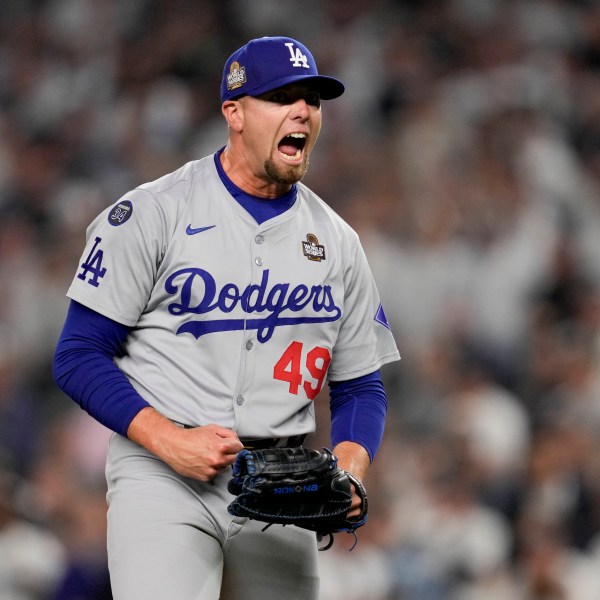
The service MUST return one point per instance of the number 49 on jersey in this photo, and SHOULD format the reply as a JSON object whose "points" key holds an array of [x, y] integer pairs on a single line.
{"points": [[289, 368]]}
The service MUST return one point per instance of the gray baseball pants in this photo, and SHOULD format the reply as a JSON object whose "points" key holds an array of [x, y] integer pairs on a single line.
{"points": [[170, 537]]}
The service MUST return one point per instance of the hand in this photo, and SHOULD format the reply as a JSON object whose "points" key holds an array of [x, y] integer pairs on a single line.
{"points": [[356, 506], [200, 453], [353, 458], [203, 452]]}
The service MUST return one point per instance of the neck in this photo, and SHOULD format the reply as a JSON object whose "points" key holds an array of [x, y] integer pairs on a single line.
{"points": [[239, 171]]}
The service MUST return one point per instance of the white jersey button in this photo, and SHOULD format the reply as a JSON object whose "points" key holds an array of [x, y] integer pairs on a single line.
{"points": [[249, 345], [258, 260], [259, 239], [240, 400]]}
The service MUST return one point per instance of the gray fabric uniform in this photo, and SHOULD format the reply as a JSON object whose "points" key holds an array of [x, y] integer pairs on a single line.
{"points": [[237, 324]]}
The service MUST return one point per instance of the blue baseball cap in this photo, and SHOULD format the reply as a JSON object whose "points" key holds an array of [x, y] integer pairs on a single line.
{"points": [[267, 63]]}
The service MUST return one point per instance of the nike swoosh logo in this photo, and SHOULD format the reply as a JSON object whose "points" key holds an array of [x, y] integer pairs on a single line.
{"points": [[194, 230]]}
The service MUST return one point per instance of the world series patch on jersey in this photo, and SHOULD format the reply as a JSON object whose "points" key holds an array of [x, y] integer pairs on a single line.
{"points": [[233, 322]]}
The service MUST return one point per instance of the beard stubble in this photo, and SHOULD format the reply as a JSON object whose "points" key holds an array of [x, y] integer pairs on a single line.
{"points": [[286, 176]]}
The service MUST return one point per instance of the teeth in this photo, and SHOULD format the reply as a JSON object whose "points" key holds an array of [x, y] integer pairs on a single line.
{"points": [[299, 136]]}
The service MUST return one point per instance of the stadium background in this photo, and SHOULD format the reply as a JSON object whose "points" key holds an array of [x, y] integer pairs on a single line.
{"points": [[466, 152]]}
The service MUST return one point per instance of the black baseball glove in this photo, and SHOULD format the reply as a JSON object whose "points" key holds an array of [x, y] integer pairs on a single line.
{"points": [[296, 486]]}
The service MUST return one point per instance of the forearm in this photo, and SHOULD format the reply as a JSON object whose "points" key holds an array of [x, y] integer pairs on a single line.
{"points": [[198, 452], [358, 413], [83, 368], [354, 458], [153, 431]]}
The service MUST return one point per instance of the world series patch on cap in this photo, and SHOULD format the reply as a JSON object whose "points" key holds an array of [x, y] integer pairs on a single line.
{"points": [[267, 63]]}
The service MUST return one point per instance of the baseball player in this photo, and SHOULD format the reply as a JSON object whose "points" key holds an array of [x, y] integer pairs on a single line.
{"points": [[208, 310]]}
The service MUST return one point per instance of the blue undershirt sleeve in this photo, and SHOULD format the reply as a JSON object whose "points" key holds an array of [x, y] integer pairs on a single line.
{"points": [[83, 368], [358, 411]]}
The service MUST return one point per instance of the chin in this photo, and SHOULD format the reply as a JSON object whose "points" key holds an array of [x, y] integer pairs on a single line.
{"points": [[286, 174]]}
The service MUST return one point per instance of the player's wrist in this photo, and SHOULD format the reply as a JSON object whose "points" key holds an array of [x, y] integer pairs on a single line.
{"points": [[353, 458], [153, 431]]}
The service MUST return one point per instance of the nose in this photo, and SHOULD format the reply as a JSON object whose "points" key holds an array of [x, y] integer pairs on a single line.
{"points": [[300, 109]]}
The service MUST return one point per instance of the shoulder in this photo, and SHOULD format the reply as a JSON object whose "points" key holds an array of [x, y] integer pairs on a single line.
{"points": [[323, 213], [167, 197], [156, 206], [187, 176]]}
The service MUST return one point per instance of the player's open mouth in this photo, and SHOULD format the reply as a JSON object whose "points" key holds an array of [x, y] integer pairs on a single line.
{"points": [[291, 146]]}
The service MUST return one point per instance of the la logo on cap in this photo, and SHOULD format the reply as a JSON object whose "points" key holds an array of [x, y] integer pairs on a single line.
{"points": [[267, 63], [297, 58]]}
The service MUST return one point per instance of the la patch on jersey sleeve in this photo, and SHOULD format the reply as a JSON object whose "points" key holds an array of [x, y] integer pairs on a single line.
{"points": [[116, 271]]}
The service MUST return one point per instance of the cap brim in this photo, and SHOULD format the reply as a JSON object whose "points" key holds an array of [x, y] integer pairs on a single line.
{"points": [[328, 87]]}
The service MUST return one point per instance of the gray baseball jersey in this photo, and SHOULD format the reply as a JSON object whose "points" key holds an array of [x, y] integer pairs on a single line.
{"points": [[234, 323]]}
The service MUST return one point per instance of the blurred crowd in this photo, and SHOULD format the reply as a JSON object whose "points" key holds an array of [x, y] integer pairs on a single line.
{"points": [[465, 152]]}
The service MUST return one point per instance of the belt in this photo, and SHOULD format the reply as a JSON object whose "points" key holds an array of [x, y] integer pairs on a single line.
{"points": [[262, 443], [288, 442]]}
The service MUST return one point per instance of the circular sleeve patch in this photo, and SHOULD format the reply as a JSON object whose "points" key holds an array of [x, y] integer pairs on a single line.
{"points": [[120, 213]]}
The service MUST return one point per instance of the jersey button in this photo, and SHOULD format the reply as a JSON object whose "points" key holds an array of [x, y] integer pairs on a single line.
{"points": [[240, 400], [259, 239], [259, 261], [249, 345]]}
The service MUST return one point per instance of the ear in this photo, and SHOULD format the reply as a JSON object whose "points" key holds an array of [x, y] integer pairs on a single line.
{"points": [[234, 114]]}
